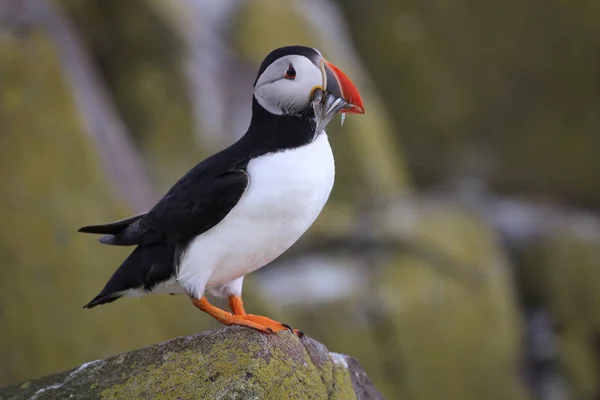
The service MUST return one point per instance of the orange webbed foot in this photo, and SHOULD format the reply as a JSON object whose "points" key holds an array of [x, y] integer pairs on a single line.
{"points": [[239, 316], [237, 308]]}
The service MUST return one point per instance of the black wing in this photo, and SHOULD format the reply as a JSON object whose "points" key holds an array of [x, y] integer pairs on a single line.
{"points": [[191, 207]]}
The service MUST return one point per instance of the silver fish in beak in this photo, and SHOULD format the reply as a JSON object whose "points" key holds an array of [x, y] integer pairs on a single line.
{"points": [[326, 107]]}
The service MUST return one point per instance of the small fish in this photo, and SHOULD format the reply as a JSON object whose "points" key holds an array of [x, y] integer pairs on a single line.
{"points": [[326, 107]]}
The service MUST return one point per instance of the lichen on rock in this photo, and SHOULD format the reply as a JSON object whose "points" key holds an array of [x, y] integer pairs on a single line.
{"points": [[227, 363]]}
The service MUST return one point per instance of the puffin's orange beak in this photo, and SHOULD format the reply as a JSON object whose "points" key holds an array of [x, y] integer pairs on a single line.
{"points": [[337, 83]]}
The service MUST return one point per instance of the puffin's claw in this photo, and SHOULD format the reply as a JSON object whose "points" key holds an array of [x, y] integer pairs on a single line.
{"points": [[297, 332]]}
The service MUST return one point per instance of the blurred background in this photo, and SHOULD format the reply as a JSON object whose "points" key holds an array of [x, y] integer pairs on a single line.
{"points": [[459, 254]]}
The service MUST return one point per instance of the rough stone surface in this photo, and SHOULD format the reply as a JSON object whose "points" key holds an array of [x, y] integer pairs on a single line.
{"points": [[227, 363]]}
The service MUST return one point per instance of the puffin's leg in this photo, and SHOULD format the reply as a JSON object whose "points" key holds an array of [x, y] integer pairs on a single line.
{"points": [[236, 305], [253, 321], [233, 291]]}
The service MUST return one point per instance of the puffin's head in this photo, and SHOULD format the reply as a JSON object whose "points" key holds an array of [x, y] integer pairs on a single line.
{"points": [[297, 80]]}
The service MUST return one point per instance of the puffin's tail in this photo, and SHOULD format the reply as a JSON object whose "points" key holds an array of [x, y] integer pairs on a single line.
{"points": [[112, 229], [98, 300], [146, 267]]}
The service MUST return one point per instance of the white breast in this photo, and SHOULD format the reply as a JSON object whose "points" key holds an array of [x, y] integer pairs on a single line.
{"points": [[287, 191]]}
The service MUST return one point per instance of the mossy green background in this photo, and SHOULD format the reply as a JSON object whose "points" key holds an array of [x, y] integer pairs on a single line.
{"points": [[504, 94]]}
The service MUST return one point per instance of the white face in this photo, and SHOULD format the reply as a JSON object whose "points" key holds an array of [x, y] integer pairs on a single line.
{"points": [[280, 92]]}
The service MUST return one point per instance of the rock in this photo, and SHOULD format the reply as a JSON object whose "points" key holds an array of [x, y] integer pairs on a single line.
{"points": [[226, 363]]}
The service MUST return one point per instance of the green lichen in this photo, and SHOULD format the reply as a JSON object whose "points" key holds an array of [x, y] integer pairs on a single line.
{"points": [[229, 363], [238, 369]]}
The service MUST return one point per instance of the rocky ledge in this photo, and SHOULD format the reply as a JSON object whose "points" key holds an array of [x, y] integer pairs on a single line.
{"points": [[226, 363]]}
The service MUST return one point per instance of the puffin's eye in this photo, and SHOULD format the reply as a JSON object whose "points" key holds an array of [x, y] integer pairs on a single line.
{"points": [[290, 73]]}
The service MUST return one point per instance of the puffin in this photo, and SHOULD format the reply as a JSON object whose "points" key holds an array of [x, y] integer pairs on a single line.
{"points": [[241, 208]]}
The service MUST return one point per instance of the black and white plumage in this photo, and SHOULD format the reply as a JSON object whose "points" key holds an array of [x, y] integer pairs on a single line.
{"points": [[241, 208]]}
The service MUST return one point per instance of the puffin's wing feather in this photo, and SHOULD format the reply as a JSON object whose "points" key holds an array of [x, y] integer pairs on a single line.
{"points": [[192, 209], [196, 203]]}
